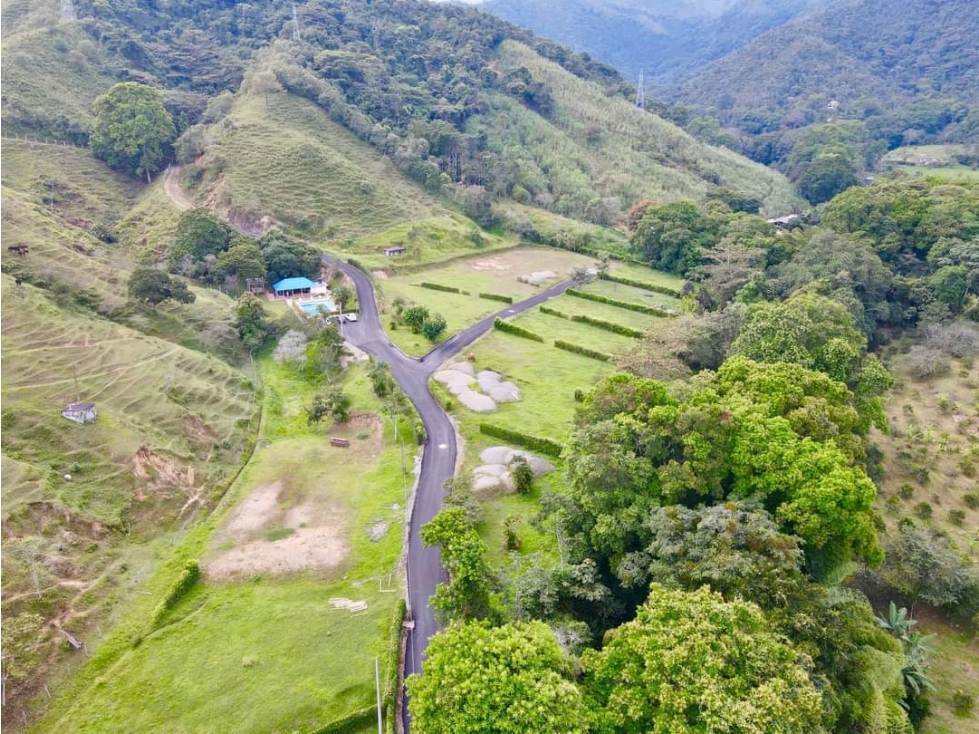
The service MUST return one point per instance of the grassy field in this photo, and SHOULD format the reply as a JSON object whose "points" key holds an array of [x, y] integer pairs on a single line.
{"points": [[931, 459], [428, 242], [552, 225], [296, 663], [933, 449], [498, 273], [313, 176], [953, 172], [915, 154]]}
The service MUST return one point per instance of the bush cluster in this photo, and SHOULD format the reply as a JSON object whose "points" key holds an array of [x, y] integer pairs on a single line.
{"points": [[496, 297], [665, 290], [538, 444], [640, 307], [509, 328], [437, 287], [583, 351]]}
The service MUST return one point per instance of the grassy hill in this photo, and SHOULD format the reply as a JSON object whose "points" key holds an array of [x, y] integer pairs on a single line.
{"points": [[593, 145], [312, 175], [88, 510]]}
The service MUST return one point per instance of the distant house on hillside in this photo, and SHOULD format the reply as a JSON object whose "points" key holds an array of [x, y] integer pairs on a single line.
{"points": [[396, 251], [783, 223], [80, 412], [289, 287]]}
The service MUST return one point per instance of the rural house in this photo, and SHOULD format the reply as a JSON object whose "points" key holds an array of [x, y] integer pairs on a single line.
{"points": [[80, 412]]}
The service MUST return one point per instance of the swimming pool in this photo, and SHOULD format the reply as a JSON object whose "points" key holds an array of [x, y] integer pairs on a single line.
{"points": [[313, 307]]}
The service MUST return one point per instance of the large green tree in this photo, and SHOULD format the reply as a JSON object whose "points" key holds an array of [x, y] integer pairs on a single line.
{"points": [[132, 129], [467, 595], [512, 679], [198, 235], [153, 286], [692, 662]]}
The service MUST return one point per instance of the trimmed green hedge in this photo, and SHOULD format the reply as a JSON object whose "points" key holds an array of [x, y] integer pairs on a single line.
{"points": [[665, 290], [185, 581], [351, 723], [583, 351], [608, 326], [507, 327], [554, 312], [496, 297], [437, 287], [640, 307], [535, 443]]}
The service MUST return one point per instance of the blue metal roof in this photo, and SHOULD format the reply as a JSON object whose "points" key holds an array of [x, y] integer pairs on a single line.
{"points": [[292, 284]]}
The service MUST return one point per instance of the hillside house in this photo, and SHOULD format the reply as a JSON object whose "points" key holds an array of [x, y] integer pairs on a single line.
{"points": [[289, 287], [396, 251], [80, 412]]}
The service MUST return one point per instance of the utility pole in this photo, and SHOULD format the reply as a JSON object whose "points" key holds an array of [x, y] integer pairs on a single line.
{"points": [[641, 93], [377, 685]]}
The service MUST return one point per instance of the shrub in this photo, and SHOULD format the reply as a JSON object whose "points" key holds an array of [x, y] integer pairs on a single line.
{"points": [[583, 351], [537, 444], [640, 307], [963, 702], [956, 517], [507, 327], [893, 504], [971, 500], [496, 297], [665, 290], [434, 327], [925, 363], [415, 317], [437, 287], [523, 475], [906, 491], [923, 510], [608, 326], [554, 312]]}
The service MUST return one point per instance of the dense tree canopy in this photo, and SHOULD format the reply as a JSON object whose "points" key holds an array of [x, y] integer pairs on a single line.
{"points": [[153, 286], [511, 679], [692, 662], [132, 129]]}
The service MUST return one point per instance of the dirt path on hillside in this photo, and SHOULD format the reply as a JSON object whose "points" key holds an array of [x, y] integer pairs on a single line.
{"points": [[171, 186]]}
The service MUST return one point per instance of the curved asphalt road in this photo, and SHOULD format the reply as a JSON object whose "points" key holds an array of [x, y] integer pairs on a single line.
{"points": [[424, 567]]}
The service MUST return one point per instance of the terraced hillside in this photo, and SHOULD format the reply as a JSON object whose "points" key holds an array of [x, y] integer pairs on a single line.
{"points": [[88, 510], [312, 175]]}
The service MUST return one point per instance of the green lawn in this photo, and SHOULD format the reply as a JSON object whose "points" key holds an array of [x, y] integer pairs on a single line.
{"points": [[645, 274], [553, 328], [954, 667], [267, 652], [630, 294], [428, 242], [961, 172]]}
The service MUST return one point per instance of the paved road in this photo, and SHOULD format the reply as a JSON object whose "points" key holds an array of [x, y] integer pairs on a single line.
{"points": [[438, 462]]}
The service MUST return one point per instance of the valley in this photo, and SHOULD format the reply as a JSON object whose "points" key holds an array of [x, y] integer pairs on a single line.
{"points": [[382, 366]]}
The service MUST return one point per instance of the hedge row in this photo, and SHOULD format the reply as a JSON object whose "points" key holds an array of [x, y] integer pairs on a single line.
{"points": [[188, 576], [496, 297], [352, 723], [640, 307], [665, 290], [554, 312], [583, 351], [509, 328], [608, 326], [535, 443], [437, 287]]}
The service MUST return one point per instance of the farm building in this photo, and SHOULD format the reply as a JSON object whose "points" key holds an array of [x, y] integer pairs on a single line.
{"points": [[289, 287], [80, 412], [395, 251]]}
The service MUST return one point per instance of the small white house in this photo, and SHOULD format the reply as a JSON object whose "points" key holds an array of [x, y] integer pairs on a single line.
{"points": [[80, 412]]}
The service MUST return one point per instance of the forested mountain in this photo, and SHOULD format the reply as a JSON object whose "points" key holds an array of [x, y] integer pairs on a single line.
{"points": [[664, 38], [866, 56], [429, 86]]}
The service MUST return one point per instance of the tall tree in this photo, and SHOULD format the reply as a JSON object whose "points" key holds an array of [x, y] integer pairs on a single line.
{"points": [[513, 679], [692, 662], [132, 128]]}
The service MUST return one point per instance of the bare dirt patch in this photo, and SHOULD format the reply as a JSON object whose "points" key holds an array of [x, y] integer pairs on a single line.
{"points": [[306, 549], [156, 471], [492, 263], [263, 536]]}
